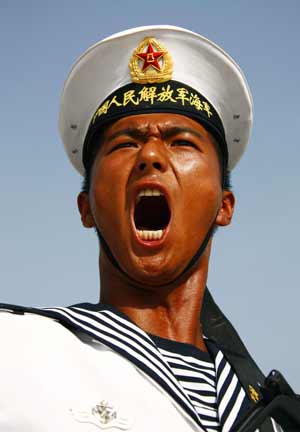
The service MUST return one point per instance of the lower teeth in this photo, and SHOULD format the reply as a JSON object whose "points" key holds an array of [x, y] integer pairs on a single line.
{"points": [[150, 235]]}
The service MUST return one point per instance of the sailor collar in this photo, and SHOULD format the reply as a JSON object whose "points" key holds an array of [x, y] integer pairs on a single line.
{"points": [[116, 331]]}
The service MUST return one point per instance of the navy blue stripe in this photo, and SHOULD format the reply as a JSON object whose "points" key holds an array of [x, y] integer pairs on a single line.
{"points": [[190, 366], [230, 404], [225, 386], [99, 320]]}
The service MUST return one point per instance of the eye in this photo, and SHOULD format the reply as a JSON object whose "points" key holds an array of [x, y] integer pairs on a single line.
{"points": [[123, 145], [183, 143]]}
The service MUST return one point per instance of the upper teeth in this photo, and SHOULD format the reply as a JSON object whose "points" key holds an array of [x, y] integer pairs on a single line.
{"points": [[148, 192]]}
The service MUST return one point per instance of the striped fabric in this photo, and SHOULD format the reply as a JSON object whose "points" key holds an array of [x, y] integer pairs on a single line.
{"points": [[212, 387], [231, 395], [116, 331], [195, 371]]}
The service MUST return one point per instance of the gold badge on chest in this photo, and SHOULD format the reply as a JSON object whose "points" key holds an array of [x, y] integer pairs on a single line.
{"points": [[253, 394], [150, 62]]}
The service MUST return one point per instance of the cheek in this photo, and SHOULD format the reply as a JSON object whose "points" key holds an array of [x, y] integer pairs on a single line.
{"points": [[188, 165], [198, 172], [200, 188], [107, 195], [112, 171]]}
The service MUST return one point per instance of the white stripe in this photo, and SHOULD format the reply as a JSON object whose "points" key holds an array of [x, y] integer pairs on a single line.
{"points": [[210, 423], [276, 426], [180, 362], [125, 347], [218, 360], [208, 400], [193, 374], [228, 395], [122, 321], [223, 376], [212, 414], [188, 359], [234, 412], [207, 412], [197, 386], [121, 327]]}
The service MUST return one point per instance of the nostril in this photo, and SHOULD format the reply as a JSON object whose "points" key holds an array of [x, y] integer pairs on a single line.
{"points": [[156, 165]]}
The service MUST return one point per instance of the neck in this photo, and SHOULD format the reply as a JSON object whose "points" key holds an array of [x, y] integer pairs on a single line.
{"points": [[171, 312]]}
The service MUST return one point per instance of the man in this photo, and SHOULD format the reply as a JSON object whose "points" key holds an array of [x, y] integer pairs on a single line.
{"points": [[154, 118]]}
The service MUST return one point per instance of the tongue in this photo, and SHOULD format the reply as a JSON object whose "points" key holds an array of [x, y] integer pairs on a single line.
{"points": [[152, 213]]}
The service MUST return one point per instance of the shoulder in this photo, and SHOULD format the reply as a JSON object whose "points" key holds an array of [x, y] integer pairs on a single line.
{"points": [[36, 348], [26, 332], [17, 320]]}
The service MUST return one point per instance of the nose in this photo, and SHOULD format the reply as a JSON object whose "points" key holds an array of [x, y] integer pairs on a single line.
{"points": [[152, 156]]}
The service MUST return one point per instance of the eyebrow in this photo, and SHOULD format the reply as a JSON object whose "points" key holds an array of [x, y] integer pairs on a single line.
{"points": [[176, 130], [142, 134], [132, 132]]}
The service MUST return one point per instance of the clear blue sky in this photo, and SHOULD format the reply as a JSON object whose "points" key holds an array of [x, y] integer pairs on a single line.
{"points": [[47, 258]]}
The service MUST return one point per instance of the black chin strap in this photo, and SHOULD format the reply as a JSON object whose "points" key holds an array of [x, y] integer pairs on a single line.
{"points": [[193, 261]]}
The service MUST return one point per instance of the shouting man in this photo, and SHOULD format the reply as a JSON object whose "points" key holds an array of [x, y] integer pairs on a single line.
{"points": [[154, 118]]}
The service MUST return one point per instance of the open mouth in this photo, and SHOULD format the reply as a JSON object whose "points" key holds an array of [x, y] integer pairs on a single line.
{"points": [[151, 214]]}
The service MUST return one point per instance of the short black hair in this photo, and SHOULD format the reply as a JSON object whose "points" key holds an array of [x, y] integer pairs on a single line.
{"points": [[227, 180]]}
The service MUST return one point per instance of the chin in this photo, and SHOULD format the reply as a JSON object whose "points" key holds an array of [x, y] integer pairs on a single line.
{"points": [[154, 272]]}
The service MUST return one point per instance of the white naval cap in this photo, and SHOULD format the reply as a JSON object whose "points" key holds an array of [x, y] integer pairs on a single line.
{"points": [[155, 69]]}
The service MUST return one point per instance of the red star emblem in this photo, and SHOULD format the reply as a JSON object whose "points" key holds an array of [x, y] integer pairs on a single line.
{"points": [[150, 58]]}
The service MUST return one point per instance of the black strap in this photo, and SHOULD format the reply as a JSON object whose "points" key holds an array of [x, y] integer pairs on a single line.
{"points": [[220, 330]]}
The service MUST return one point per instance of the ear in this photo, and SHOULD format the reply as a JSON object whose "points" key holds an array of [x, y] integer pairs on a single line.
{"points": [[226, 211], [85, 210]]}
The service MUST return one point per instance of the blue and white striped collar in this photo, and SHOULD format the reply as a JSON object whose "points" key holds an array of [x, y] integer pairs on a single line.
{"points": [[115, 330]]}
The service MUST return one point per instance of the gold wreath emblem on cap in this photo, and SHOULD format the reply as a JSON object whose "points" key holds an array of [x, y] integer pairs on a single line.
{"points": [[150, 63]]}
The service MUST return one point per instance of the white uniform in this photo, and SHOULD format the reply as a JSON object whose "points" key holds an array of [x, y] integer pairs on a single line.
{"points": [[89, 368], [52, 379]]}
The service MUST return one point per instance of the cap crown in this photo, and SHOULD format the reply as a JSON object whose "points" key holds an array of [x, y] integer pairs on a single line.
{"points": [[192, 60]]}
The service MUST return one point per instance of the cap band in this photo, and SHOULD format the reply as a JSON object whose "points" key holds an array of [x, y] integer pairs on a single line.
{"points": [[171, 96]]}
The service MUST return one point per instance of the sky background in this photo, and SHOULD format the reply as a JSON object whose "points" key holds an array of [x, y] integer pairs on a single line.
{"points": [[48, 259]]}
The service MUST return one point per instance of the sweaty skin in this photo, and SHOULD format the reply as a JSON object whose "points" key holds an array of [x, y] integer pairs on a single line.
{"points": [[178, 155]]}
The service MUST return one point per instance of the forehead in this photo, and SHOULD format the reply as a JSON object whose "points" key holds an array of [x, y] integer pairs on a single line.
{"points": [[162, 121]]}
